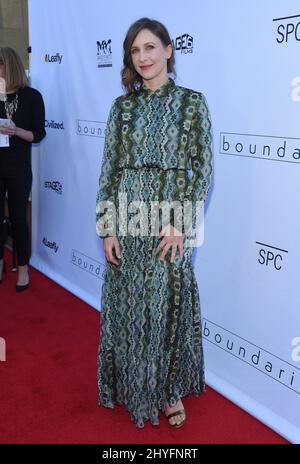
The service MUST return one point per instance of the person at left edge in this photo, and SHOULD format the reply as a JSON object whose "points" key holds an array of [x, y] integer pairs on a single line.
{"points": [[24, 107]]}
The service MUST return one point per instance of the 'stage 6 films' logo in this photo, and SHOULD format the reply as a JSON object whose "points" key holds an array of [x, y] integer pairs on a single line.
{"points": [[184, 43], [288, 29], [56, 186], [104, 53]]}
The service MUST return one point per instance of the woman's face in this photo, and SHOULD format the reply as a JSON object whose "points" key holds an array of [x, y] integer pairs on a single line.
{"points": [[149, 57]]}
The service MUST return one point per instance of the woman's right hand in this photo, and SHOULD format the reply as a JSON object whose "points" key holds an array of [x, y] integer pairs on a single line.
{"points": [[112, 249]]}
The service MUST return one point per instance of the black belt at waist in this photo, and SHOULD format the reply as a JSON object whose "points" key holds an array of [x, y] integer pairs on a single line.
{"points": [[152, 167]]}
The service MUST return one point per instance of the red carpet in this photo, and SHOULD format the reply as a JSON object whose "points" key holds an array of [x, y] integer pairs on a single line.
{"points": [[48, 383]]}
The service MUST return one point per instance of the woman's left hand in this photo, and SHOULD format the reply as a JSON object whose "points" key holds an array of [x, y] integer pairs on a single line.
{"points": [[172, 239], [10, 129]]}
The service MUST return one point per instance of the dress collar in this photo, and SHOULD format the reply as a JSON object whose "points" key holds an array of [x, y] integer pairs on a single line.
{"points": [[161, 91]]}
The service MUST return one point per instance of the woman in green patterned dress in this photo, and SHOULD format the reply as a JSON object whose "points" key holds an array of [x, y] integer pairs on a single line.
{"points": [[150, 351]]}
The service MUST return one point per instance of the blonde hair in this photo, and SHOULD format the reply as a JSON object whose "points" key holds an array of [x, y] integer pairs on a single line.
{"points": [[14, 71]]}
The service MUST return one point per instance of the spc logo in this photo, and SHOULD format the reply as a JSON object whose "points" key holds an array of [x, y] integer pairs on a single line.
{"points": [[270, 257], [288, 29]]}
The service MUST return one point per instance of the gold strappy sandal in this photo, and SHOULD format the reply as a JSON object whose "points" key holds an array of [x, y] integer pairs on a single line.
{"points": [[177, 413]]}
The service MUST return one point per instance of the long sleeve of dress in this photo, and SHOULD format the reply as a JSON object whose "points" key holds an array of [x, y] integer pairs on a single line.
{"points": [[200, 154], [108, 180]]}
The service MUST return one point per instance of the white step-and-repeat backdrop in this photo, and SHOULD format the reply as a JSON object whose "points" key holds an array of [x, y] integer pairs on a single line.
{"points": [[244, 56]]}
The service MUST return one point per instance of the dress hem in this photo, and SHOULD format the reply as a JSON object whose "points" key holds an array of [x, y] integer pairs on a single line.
{"points": [[140, 423]]}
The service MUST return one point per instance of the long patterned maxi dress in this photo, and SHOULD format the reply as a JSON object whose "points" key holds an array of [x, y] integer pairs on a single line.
{"points": [[150, 349]]}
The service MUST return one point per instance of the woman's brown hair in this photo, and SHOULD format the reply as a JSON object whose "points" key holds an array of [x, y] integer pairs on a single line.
{"points": [[14, 71], [131, 80]]}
